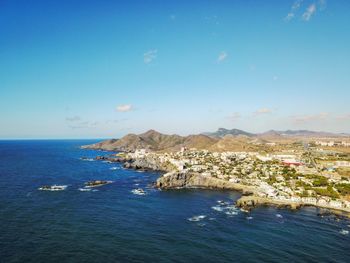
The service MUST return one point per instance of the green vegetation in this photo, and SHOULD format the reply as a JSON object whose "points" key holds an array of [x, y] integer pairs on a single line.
{"points": [[304, 194], [343, 189], [303, 184], [320, 181], [272, 179], [329, 191]]}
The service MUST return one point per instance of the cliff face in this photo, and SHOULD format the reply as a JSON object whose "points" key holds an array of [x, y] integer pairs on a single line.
{"points": [[149, 163], [174, 180]]}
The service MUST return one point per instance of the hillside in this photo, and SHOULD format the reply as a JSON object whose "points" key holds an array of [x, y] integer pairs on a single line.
{"points": [[221, 140], [154, 141]]}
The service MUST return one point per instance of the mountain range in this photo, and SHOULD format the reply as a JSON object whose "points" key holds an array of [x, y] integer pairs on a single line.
{"points": [[221, 140], [221, 132]]}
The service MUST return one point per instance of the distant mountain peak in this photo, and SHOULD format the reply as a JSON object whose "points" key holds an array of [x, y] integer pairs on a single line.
{"points": [[221, 132]]}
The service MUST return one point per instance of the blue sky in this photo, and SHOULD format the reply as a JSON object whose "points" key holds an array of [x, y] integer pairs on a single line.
{"points": [[96, 69]]}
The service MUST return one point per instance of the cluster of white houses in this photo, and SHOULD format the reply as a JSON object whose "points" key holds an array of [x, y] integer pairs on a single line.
{"points": [[333, 143], [252, 169]]}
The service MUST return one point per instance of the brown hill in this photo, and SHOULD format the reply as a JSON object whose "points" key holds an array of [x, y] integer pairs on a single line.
{"points": [[235, 143], [154, 141]]}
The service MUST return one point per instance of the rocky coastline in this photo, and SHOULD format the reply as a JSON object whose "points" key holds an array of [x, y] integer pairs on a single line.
{"points": [[173, 179]]}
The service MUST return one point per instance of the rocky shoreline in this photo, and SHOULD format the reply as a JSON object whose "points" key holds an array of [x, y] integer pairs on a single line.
{"points": [[172, 179]]}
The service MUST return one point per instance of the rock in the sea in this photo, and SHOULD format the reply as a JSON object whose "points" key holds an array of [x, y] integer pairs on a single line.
{"points": [[127, 165]]}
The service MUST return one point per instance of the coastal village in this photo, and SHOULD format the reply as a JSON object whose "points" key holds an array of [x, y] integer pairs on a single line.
{"points": [[290, 178], [284, 168]]}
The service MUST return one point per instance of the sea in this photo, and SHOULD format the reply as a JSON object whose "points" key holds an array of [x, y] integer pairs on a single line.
{"points": [[115, 223]]}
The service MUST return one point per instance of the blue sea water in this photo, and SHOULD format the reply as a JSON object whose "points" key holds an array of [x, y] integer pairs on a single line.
{"points": [[115, 225]]}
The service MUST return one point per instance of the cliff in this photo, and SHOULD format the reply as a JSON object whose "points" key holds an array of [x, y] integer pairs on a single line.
{"points": [[175, 180]]}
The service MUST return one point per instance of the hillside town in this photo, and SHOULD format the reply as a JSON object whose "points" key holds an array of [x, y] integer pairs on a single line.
{"points": [[287, 178]]}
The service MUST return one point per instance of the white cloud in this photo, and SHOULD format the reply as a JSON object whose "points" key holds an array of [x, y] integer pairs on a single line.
{"points": [[296, 5], [322, 4], [234, 116], [222, 56], [289, 17], [149, 56], [124, 108], [83, 124], [74, 118], [310, 117], [263, 111], [310, 11], [344, 117]]}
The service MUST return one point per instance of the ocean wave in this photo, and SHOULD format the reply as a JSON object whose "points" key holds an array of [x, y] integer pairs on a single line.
{"points": [[53, 188], [220, 202], [114, 168], [138, 191], [85, 189], [87, 159], [231, 213], [217, 208], [196, 218], [279, 216], [344, 232], [229, 210]]}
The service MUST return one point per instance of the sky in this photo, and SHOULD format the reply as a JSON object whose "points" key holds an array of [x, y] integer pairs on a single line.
{"points": [[101, 69]]}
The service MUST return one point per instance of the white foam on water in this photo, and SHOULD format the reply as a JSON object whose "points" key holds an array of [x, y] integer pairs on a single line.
{"points": [[114, 168], [279, 216], [138, 192], [229, 210], [196, 218], [54, 188], [217, 208], [231, 213], [344, 232], [87, 159], [249, 217], [84, 189]]}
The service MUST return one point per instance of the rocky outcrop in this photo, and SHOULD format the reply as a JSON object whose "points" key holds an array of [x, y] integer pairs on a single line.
{"points": [[251, 201], [112, 158], [174, 180], [148, 163]]}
